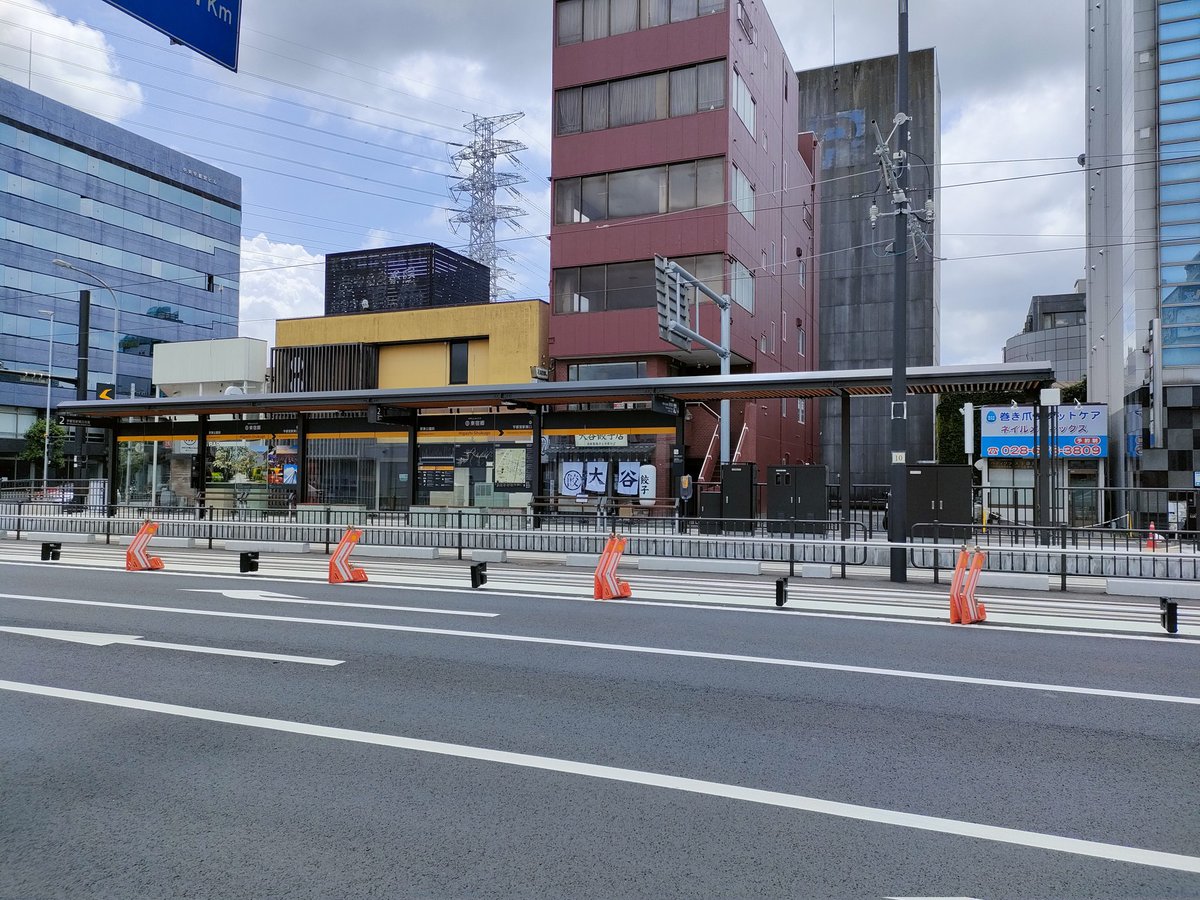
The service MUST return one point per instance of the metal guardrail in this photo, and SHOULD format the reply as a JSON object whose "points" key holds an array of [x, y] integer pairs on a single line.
{"points": [[1062, 551], [1055, 551], [790, 542]]}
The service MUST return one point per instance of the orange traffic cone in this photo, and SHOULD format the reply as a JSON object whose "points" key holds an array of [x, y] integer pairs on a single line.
{"points": [[1152, 540]]}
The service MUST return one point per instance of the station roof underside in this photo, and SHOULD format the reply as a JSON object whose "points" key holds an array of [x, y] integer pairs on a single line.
{"points": [[1014, 377]]}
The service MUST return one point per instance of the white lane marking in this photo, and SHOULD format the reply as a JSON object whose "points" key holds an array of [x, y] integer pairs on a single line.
{"points": [[287, 598], [100, 639], [1037, 840], [634, 648], [716, 605]]}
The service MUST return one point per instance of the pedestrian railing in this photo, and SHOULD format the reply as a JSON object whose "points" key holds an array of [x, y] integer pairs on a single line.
{"points": [[1063, 551], [1054, 551]]}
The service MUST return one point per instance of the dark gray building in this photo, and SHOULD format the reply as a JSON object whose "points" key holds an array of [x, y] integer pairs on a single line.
{"points": [[839, 103], [415, 276], [1055, 331]]}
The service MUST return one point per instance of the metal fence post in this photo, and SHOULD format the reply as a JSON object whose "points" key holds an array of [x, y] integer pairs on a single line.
{"points": [[792, 550], [460, 541], [1063, 560], [936, 554]]}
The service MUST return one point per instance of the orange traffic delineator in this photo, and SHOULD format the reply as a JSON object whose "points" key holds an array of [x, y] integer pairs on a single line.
{"points": [[136, 558], [964, 609], [608, 586], [956, 585], [340, 569]]}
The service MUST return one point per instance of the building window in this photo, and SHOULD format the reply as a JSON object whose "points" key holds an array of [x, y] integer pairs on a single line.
{"points": [[587, 20], [801, 411], [801, 340], [459, 353], [743, 194], [743, 19], [628, 285], [743, 102], [595, 19], [741, 285], [639, 192], [570, 21], [606, 371], [568, 111], [643, 98], [801, 267]]}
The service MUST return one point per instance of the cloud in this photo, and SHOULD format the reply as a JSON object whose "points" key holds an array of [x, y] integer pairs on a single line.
{"points": [[1015, 228], [67, 61], [279, 281], [1009, 92]]}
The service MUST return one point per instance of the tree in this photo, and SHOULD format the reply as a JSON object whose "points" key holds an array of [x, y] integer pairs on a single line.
{"points": [[949, 421], [35, 443]]}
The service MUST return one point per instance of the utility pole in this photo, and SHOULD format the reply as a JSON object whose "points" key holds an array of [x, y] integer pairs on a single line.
{"points": [[894, 170]]}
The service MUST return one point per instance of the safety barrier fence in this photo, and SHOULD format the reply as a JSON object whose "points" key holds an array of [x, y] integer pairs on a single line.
{"points": [[1057, 551], [1061, 551]]}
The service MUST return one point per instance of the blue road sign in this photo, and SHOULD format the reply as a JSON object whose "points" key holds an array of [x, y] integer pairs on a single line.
{"points": [[210, 27]]}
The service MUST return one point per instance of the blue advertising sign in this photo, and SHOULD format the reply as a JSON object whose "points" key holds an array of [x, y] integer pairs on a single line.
{"points": [[1081, 432], [210, 27]]}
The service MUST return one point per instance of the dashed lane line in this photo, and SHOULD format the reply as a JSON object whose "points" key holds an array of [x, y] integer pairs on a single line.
{"points": [[635, 648], [977, 831]]}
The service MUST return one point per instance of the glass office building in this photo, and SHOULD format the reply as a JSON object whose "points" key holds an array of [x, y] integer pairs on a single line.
{"points": [[1179, 181], [85, 205]]}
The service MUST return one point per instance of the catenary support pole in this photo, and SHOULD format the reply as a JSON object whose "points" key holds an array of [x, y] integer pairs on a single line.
{"points": [[898, 507]]}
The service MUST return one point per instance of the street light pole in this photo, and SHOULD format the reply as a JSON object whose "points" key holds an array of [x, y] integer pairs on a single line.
{"points": [[49, 381], [116, 312]]}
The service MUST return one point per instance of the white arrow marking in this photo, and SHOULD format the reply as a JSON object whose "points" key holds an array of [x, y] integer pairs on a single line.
{"points": [[245, 595], [287, 598], [99, 639]]}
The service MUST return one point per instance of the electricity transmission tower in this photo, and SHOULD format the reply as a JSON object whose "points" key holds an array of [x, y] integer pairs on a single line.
{"points": [[476, 162]]}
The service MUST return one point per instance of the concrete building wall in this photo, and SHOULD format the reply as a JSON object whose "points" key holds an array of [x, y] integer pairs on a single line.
{"points": [[235, 361], [838, 104]]}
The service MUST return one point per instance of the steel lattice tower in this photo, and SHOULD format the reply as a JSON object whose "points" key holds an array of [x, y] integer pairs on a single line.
{"points": [[476, 162]]}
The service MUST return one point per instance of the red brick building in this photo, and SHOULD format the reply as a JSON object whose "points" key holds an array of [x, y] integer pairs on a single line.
{"points": [[675, 134]]}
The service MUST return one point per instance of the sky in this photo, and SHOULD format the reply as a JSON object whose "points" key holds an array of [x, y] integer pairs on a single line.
{"points": [[343, 119]]}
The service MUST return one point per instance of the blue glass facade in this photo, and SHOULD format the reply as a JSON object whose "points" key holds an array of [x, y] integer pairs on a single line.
{"points": [[1179, 180], [160, 228]]}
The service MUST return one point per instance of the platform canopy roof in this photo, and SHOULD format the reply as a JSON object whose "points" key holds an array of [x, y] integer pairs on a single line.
{"points": [[1015, 377]]}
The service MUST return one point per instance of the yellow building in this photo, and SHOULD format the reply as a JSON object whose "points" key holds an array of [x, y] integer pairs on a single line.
{"points": [[466, 458], [488, 343]]}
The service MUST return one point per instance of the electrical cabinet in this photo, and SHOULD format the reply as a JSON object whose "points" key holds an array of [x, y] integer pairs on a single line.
{"points": [[941, 494], [739, 493], [797, 494]]}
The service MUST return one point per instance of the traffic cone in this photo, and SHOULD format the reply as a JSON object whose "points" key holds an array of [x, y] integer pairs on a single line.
{"points": [[1152, 540]]}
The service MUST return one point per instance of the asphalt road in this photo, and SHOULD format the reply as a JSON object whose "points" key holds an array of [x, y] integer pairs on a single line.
{"points": [[559, 748]]}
